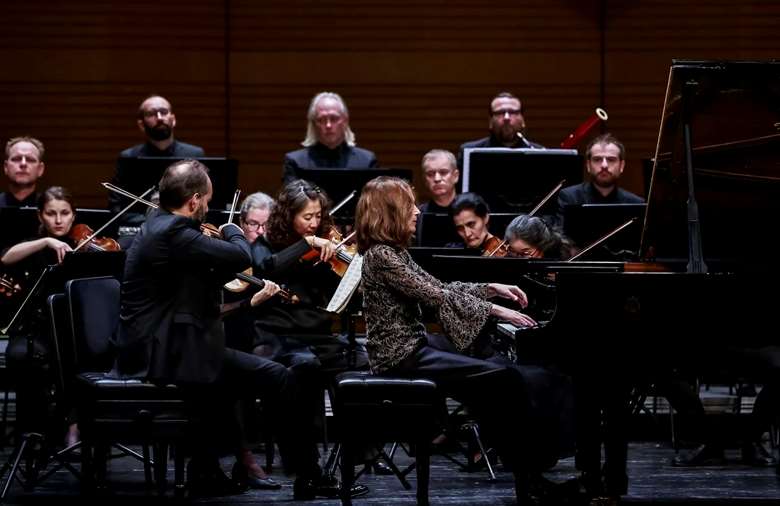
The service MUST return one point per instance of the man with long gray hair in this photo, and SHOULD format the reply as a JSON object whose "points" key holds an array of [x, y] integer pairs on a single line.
{"points": [[329, 142]]}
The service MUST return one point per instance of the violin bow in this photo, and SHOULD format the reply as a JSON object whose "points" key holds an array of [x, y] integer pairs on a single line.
{"points": [[601, 240], [343, 201], [46, 270], [233, 206], [117, 215]]}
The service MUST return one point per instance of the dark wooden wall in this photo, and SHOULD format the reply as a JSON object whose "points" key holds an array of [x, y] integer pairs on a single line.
{"points": [[416, 74]]}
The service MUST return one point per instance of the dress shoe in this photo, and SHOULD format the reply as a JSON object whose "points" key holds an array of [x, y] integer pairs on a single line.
{"points": [[242, 478], [754, 454], [208, 480], [306, 489], [702, 455], [378, 468]]}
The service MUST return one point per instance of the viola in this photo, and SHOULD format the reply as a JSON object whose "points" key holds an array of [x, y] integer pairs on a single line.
{"points": [[82, 235]]}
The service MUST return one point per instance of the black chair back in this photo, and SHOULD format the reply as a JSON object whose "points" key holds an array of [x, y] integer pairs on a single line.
{"points": [[62, 342], [94, 316]]}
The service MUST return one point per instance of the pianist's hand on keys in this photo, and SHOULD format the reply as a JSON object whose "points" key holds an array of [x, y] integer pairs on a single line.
{"points": [[512, 316]]}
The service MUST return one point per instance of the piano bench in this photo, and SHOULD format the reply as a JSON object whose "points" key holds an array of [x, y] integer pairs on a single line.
{"points": [[370, 408]]}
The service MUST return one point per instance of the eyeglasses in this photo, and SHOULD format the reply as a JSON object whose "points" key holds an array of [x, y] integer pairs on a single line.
{"points": [[600, 159], [524, 253], [502, 112], [253, 225], [162, 111]]}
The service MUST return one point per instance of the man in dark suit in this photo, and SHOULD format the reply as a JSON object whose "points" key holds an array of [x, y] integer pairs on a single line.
{"points": [[171, 331], [506, 124], [157, 122], [329, 142]]}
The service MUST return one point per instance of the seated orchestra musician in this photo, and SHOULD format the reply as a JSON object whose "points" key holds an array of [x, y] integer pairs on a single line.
{"points": [[170, 332], [329, 142], [395, 288], [471, 216], [531, 237], [605, 160], [23, 166], [506, 124], [25, 262], [441, 174], [299, 335], [157, 121]]}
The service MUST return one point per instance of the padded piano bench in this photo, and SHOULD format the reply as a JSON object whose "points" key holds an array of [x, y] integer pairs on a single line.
{"points": [[134, 411], [370, 408]]}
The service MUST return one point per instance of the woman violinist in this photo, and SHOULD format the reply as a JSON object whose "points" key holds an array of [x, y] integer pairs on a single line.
{"points": [[471, 216], [299, 335], [531, 237], [28, 347]]}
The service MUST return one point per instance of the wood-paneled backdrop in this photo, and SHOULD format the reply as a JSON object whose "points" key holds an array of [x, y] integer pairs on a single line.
{"points": [[416, 74]]}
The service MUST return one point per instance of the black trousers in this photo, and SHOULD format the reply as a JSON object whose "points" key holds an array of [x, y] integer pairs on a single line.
{"points": [[245, 375], [495, 393]]}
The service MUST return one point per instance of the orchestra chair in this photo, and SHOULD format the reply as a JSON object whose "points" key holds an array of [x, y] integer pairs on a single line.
{"points": [[369, 408], [30, 461], [108, 409]]}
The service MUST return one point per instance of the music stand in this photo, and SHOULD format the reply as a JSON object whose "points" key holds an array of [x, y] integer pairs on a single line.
{"points": [[340, 182], [516, 180], [138, 174], [19, 224], [586, 223], [435, 230]]}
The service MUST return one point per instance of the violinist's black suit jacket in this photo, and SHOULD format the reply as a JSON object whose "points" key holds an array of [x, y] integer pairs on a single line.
{"points": [[170, 328]]}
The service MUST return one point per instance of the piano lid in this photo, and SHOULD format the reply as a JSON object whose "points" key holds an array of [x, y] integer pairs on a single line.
{"points": [[733, 112]]}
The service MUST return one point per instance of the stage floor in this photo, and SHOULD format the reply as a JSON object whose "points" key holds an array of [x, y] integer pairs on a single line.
{"points": [[652, 481]]}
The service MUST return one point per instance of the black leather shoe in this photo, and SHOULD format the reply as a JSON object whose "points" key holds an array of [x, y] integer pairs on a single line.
{"points": [[378, 468], [702, 455], [307, 489], [242, 478], [754, 454], [208, 480]]}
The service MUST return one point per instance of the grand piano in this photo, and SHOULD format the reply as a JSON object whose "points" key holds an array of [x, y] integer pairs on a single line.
{"points": [[713, 205]]}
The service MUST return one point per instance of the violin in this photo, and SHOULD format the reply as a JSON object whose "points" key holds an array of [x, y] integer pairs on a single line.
{"points": [[244, 279], [495, 247], [210, 230], [340, 261], [84, 237], [8, 287]]}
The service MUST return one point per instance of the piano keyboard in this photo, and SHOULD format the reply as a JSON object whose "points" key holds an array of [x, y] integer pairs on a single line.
{"points": [[514, 331]]}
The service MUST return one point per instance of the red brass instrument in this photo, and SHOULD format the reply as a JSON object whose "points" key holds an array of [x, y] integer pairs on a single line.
{"points": [[581, 131]]}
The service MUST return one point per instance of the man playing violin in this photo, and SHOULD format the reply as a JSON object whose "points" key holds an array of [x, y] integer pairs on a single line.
{"points": [[170, 331]]}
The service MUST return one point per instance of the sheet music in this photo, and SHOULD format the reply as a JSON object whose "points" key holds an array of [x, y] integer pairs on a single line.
{"points": [[348, 285]]}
